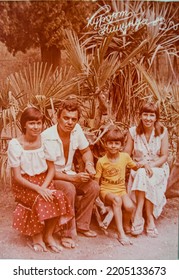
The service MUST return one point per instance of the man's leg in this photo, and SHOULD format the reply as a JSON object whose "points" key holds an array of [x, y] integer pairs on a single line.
{"points": [[70, 191], [90, 192]]}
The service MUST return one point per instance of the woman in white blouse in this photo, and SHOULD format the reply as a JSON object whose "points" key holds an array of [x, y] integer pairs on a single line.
{"points": [[148, 143], [40, 207]]}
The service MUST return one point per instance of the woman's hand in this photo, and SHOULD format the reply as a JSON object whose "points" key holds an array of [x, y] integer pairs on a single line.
{"points": [[46, 193], [148, 170], [82, 177]]}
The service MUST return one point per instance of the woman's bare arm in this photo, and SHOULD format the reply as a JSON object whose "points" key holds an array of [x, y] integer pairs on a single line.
{"points": [[163, 153], [50, 174], [45, 193], [129, 144]]}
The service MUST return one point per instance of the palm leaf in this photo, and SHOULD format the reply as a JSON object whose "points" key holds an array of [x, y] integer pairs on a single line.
{"points": [[151, 82]]}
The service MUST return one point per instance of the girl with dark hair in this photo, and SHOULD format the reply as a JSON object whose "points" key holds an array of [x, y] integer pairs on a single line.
{"points": [[148, 143], [40, 207]]}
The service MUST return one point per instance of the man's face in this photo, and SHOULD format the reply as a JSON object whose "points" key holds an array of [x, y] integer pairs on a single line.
{"points": [[67, 120]]}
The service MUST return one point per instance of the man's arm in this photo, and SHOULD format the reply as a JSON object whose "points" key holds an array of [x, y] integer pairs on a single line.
{"points": [[65, 177], [87, 157], [81, 177]]}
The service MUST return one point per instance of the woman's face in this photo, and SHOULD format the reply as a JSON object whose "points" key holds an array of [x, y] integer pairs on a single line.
{"points": [[148, 119], [33, 127]]}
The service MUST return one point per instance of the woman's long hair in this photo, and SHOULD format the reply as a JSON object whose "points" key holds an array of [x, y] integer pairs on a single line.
{"points": [[150, 107]]}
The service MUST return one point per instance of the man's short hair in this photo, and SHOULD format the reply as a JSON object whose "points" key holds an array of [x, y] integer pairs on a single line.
{"points": [[70, 105]]}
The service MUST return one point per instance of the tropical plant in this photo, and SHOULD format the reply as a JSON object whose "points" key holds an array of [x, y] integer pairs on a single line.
{"points": [[37, 85], [96, 70], [139, 51], [112, 74]]}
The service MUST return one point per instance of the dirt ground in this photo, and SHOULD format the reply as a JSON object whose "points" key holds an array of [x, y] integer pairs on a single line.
{"points": [[14, 246]]}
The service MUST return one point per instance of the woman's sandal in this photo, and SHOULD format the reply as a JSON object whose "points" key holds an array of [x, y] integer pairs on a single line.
{"points": [[137, 229], [125, 241], [152, 232], [54, 248], [68, 242], [37, 247]]}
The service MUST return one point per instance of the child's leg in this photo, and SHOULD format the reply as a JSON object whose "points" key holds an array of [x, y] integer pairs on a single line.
{"points": [[128, 204], [116, 203], [128, 212]]}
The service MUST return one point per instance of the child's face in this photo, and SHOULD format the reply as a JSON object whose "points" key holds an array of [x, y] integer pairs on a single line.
{"points": [[113, 147]]}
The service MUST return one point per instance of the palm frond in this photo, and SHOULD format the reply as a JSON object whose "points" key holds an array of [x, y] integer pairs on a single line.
{"points": [[151, 82]]}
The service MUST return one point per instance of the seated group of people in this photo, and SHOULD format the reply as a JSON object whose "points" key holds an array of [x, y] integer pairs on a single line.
{"points": [[45, 185]]}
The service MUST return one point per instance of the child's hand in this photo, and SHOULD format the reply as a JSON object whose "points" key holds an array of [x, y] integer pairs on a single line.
{"points": [[139, 165], [148, 170]]}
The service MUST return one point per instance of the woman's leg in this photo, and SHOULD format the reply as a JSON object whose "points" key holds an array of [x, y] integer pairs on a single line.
{"points": [[48, 235], [150, 227], [138, 220], [149, 214], [140, 199], [38, 243]]}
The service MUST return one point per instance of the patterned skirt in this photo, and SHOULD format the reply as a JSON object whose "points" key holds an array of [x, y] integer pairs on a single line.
{"points": [[32, 210]]}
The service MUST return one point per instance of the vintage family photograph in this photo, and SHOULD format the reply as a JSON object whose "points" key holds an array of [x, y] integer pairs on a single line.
{"points": [[89, 130]]}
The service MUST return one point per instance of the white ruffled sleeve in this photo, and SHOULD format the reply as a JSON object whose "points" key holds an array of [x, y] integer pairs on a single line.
{"points": [[164, 133], [132, 131], [14, 153], [49, 150], [82, 141]]}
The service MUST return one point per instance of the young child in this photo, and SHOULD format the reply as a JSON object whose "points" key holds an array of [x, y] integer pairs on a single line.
{"points": [[110, 174]]}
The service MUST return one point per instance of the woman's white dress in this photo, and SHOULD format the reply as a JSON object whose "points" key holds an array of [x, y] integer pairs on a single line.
{"points": [[155, 186]]}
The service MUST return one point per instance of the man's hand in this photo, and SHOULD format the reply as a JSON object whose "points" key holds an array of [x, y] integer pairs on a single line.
{"points": [[90, 170], [82, 177]]}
